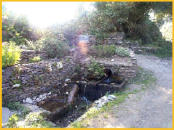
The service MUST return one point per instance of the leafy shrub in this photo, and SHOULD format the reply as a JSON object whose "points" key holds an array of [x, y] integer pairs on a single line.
{"points": [[35, 59], [95, 70], [18, 107], [130, 18], [108, 50], [165, 49], [36, 120], [122, 51], [103, 50], [54, 47], [17, 28], [37, 45], [14, 105], [10, 54], [12, 123]]}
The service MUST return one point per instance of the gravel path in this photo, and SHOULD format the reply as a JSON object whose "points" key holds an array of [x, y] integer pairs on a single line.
{"points": [[151, 108]]}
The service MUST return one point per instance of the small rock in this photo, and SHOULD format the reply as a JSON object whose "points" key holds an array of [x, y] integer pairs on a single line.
{"points": [[104, 98], [29, 100], [45, 94], [21, 124], [99, 105], [97, 102], [6, 113], [41, 96], [67, 80], [49, 68], [130, 95], [42, 102], [34, 98], [67, 93], [59, 65], [16, 86], [24, 101], [49, 93], [112, 60], [111, 97], [38, 100]]}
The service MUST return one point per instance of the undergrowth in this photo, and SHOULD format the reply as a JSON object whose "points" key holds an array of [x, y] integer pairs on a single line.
{"points": [[108, 51], [35, 59], [16, 106], [10, 54]]}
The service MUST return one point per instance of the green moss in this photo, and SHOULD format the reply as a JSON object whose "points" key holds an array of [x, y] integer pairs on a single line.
{"points": [[78, 125], [143, 77], [35, 59]]}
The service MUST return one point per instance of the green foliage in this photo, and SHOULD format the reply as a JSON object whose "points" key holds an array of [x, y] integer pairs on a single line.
{"points": [[14, 105], [122, 51], [17, 29], [129, 17], [31, 120], [55, 47], [103, 50], [108, 51], [18, 107], [36, 120], [10, 54], [165, 49], [95, 70], [9, 32], [12, 121], [35, 59]]}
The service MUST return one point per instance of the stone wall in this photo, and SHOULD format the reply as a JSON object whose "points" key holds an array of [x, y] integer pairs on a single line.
{"points": [[125, 67], [115, 38]]}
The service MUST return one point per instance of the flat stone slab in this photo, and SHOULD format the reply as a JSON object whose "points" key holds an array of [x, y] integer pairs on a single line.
{"points": [[6, 113]]}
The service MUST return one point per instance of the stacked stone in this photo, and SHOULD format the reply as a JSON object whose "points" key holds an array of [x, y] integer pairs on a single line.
{"points": [[26, 55], [126, 68], [130, 70]]}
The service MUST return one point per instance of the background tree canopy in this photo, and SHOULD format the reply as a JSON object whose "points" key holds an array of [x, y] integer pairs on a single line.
{"points": [[132, 18], [17, 28], [129, 17]]}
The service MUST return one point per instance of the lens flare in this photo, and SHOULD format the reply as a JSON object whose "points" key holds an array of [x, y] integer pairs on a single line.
{"points": [[83, 47]]}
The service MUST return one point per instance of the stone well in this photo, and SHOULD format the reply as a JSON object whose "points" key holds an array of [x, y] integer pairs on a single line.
{"points": [[125, 67]]}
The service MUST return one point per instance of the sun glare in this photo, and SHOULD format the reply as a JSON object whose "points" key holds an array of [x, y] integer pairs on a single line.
{"points": [[43, 14]]}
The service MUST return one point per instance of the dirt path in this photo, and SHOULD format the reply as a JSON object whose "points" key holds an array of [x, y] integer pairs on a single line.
{"points": [[151, 108]]}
